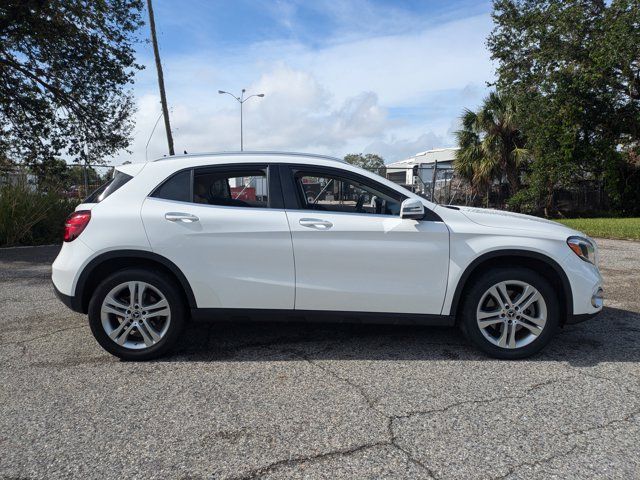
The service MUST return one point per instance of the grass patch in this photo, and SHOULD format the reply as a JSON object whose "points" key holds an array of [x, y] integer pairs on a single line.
{"points": [[622, 228]]}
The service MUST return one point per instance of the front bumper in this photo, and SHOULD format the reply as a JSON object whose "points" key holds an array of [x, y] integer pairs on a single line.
{"points": [[581, 317], [586, 287], [597, 301]]}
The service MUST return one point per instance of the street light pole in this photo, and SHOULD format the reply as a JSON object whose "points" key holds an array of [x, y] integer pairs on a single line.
{"points": [[241, 101], [241, 129]]}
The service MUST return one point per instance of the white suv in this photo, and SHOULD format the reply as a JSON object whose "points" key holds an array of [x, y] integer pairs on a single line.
{"points": [[296, 236]]}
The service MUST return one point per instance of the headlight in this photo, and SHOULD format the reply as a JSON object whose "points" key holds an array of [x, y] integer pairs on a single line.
{"points": [[583, 247]]}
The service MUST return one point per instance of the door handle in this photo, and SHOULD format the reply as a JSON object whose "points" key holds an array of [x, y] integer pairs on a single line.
{"points": [[180, 217], [316, 223]]}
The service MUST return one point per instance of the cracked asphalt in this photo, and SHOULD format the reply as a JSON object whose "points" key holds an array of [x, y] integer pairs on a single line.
{"points": [[312, 401]]}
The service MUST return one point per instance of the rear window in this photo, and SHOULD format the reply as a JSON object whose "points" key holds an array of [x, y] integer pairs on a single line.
{"points": [[118, 180]]}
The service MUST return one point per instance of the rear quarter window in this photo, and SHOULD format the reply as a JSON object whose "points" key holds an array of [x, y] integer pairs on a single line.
{"points": [[177, 187], [117, 181]]}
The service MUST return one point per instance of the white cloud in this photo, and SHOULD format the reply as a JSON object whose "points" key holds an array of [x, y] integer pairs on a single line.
{"points": [[394, 94], [398, 149]]}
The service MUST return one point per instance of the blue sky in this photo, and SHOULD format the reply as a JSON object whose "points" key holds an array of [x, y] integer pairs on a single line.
{"points": [[338, 76]]}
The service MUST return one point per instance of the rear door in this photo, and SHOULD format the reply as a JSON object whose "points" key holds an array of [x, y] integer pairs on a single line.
{"points": [[226, 229], [352, 250]]}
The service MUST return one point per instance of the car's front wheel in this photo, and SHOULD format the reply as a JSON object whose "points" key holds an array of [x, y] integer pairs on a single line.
{"points": [[137, 314], [510, 313]]}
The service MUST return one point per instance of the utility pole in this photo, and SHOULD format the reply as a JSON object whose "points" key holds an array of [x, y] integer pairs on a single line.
{"points": [[163, 96]]}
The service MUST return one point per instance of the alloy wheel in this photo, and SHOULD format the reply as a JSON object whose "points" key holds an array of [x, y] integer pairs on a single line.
{"points": [[511, 314], [135, 315]]}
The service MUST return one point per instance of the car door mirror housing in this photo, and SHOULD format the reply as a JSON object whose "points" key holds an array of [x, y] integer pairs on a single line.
{"points": [[412, 208]]}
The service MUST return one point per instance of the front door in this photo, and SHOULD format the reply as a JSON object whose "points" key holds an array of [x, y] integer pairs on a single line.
{"points": [[354, 253], [225, 228]]}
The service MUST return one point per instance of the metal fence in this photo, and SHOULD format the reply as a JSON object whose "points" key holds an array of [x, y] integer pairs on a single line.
{"points": [[444, 186], [72, 181], [583, 197], [437, 184]]}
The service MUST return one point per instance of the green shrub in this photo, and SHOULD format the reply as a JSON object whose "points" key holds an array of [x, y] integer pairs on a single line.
{"points": [[525, 201], [28, 217]]}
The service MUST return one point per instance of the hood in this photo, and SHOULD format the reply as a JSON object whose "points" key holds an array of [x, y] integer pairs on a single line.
{"points": [[516, 221]]}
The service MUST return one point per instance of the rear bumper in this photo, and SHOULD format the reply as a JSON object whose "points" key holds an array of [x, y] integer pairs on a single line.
{"points": [[71, 302], [68, 265], [66, 268]]}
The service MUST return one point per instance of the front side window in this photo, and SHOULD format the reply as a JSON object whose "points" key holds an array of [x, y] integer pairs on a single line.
{"points": [[335, 194], [243, 188]]}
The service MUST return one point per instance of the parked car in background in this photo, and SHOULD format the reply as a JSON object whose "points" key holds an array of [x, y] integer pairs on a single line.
{"points": [[295, 236]]}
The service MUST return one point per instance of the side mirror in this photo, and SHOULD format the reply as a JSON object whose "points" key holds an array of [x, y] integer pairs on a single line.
{"points": [[412, 208]]}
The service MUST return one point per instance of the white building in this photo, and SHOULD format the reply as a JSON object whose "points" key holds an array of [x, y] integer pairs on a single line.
{"points": [[422, 165]]}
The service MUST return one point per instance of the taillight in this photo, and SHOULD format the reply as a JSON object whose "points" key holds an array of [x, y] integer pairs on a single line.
{"points": [[75, 224]]}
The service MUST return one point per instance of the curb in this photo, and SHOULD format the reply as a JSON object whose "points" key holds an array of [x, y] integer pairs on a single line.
{"points": [[31, 246]]}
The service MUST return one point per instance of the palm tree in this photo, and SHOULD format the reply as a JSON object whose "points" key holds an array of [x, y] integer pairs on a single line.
{"points": [[491, 144]]}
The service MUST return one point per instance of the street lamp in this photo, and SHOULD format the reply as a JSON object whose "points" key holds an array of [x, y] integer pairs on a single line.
{"points": [[241, 100]]}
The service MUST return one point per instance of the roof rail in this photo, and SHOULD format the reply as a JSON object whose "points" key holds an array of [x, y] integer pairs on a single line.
{"points": [[246, 152]]}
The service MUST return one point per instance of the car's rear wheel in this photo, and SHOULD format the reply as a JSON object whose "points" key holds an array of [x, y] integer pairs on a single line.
{"points": [[137, 314], [510, 313]]}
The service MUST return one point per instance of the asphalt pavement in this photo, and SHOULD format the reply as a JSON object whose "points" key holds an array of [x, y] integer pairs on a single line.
{"points": [[315, 401]]}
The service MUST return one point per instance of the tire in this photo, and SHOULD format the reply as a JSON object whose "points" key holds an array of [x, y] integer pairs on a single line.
{"points": [[508, 332], [143, 325]]}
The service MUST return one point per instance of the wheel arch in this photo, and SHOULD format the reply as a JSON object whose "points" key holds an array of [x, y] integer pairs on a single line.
{"points": [[106, 263], [517, 258]]}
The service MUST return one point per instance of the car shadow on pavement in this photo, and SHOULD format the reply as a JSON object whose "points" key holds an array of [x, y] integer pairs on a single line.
{"points": [[613, 336]]}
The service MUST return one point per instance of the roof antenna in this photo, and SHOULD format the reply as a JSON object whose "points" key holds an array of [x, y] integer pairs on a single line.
{"points": [[185, 152]]}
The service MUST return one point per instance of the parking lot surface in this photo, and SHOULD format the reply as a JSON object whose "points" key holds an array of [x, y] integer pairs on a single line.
{"points": [[269, 400]]}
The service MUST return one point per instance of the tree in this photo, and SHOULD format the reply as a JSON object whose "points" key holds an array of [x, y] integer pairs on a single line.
{"points": [[65, 67], [369, 161], [573, 69], [491, 144]]}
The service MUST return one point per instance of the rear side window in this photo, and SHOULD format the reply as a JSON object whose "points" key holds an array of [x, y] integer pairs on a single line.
{"points": [[118, 180], [242, 188], [176, 188]]}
